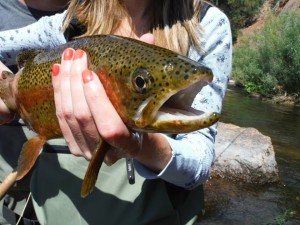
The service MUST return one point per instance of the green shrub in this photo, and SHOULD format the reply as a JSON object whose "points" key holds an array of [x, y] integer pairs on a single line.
{"points": [[268, 61]]}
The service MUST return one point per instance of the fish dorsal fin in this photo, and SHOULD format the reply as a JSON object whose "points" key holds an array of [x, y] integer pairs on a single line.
{"points": [[29, 154], [91, 174], [26, 56]]}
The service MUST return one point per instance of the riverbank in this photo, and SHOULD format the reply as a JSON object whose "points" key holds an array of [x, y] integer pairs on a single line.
{"points": [[287, 100]]}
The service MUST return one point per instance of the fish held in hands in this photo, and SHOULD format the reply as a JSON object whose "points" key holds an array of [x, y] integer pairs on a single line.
{"points": [[149, 87]]}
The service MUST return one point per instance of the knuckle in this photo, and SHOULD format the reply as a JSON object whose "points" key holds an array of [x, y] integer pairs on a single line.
{"points": [[82, 116], [111, 134], [64, 114], [59, 115], [68, 115]]}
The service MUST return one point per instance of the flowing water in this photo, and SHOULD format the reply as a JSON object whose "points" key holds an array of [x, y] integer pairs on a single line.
{"points": [[272, 204]]}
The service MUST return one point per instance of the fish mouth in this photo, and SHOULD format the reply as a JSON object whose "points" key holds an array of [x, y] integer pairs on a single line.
{"points": [[175, 114]]}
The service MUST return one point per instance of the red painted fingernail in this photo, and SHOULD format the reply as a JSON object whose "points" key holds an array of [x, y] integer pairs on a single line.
{"points": [[87, 76], [55, 69], [78, 54], [68, 54]]}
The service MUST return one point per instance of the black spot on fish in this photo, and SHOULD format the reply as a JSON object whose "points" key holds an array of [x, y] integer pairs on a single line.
{"points": [[186, 77]]}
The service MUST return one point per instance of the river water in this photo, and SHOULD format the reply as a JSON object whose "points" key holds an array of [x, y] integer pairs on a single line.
{"points": [[272, 204]]}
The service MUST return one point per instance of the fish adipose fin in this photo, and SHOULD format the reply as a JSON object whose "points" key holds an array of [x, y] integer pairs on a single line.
{"points": [[94, 166]]}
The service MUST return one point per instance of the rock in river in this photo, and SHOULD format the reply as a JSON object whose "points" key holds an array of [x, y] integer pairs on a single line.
{"points": [[244, 154]]}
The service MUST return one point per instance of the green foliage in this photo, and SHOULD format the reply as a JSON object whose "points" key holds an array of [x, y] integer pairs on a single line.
{"points": [[240, 12], [283, 218], [274, 2], [269, 60]]}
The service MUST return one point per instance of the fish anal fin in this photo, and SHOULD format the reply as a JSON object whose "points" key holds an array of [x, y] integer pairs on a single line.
{"points": [[29, 154], [94, 166]]}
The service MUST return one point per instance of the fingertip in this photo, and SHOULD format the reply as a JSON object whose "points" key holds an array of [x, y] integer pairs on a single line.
{"points": [[55, 69], [88, 155], [87, 76], [148, 38], [68, 54], [78, 54]]}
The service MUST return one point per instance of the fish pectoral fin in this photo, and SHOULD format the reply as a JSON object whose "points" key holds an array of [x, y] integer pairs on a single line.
{"points": [[94, 166], [30, 152], [7, 183]]}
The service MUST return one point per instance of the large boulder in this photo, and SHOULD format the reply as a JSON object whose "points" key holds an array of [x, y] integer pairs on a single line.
{"points": [[244, 154]]}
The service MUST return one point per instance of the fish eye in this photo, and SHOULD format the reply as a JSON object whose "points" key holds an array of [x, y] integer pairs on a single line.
{"points": [[141, 80]]}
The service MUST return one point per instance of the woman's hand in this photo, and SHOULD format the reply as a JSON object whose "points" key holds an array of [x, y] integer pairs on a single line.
{"points": [[85, 113], [5, 114]]}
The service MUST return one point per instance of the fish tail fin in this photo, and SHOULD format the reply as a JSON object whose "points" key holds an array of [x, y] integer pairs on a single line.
{"points": [[29, 154], [94, 166]]}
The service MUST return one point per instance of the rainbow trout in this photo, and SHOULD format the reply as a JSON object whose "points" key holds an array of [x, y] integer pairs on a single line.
{"points": [[141, 81]]}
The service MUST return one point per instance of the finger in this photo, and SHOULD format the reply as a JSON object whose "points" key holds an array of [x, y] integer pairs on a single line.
{"points": [[83, 127], [148, 38], [109, 124], [65, 85], [111, 157], [59, 98]]}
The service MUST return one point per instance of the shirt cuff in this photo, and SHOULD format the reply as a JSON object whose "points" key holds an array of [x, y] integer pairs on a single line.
{"points": [[184, 168]]}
